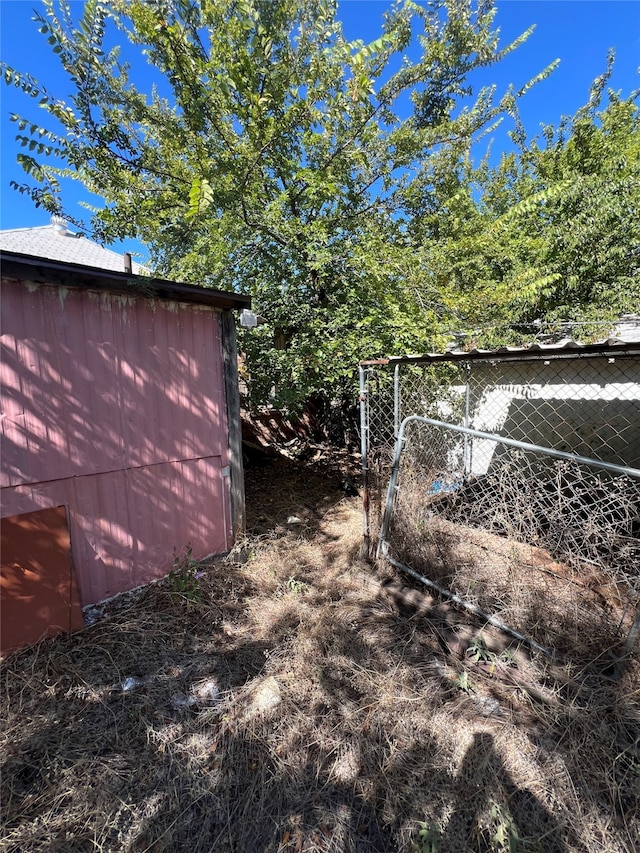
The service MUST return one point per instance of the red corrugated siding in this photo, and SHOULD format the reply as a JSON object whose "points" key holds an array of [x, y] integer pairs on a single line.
{"points": [[115, 407]]}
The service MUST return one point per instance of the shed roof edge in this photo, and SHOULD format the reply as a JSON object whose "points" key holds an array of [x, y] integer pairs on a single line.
{"points": [[64, 274]]}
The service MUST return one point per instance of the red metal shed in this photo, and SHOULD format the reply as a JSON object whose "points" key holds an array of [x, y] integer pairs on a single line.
{"points": [[119, 403]]}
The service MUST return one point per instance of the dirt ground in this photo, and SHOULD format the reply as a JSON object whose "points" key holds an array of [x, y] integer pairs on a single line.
{"points": [[292, 698]]}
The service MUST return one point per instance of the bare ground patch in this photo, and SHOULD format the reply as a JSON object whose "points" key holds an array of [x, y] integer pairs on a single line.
{"points": [[291, 699]]}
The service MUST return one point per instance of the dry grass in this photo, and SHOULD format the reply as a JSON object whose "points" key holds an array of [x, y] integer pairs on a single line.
{"points": [[380, 723]]}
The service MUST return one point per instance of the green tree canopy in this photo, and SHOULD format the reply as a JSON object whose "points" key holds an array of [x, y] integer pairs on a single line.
{"points": [[273, 156], [552, 233]]}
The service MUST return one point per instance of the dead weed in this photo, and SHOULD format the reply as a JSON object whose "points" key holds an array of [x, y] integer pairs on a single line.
{"points": [[303, 703]]}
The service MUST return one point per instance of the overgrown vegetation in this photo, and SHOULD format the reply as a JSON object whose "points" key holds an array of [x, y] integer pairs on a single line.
{"points": [[551, 235]]}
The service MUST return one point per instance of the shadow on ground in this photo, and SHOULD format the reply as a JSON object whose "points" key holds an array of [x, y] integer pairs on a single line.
{"points": [[372, 738]]}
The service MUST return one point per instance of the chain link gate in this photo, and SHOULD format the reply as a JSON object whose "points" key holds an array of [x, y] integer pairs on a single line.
{"points": [[537, 447]]}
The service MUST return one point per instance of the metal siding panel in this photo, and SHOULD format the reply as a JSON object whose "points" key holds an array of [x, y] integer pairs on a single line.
{"points": [[220, 406], [107, 400], [104, 536], [29, 436], [174, 414], [64, 383], [215, 380], [100, 383], [14, 443], [125, 525], [191, 412], [139, 377]]}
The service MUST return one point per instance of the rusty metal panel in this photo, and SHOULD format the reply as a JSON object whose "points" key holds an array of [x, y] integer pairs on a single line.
{"points": [[125, 525], [39, 597], [99, 382]]}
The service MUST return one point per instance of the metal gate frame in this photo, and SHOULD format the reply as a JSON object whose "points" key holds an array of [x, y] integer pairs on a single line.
{"points": [[370, 372]]}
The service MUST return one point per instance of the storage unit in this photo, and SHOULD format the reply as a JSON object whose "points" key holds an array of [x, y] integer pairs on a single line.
{"points": [[120, 404]]}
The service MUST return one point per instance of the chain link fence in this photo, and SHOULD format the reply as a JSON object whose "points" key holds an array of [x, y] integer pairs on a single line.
{"points": [[515, 485]]}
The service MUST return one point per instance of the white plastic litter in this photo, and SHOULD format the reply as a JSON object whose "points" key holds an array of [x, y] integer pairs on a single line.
{"points": [[130, 684]]}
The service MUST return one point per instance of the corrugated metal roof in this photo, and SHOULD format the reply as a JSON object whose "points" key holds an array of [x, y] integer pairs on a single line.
{"points": [[56, 243], [566, 348], [628, 327]]}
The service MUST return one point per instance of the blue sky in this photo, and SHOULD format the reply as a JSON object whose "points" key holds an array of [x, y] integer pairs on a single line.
{"points": [[578, 32]]}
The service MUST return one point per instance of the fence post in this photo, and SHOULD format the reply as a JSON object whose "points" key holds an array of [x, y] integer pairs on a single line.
{"points": [[364, 453], [630, 642], [396, 400], [467, 409]]}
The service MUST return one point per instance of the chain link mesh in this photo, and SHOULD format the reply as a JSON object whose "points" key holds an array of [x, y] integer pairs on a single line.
{"points": [[478, 516], [391, 394]]}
